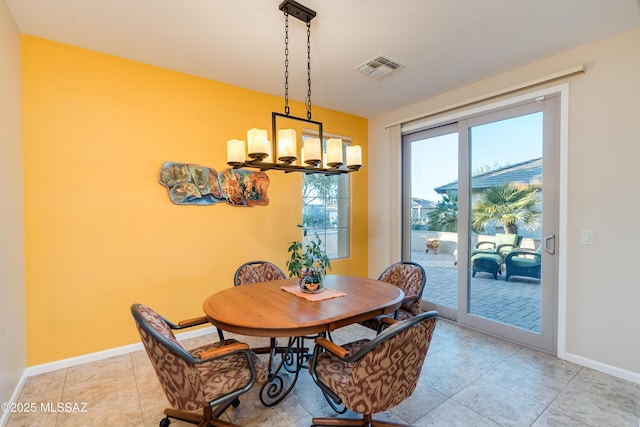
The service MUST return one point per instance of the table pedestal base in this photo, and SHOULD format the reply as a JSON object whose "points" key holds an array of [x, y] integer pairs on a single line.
{"points": [[279, 383]]}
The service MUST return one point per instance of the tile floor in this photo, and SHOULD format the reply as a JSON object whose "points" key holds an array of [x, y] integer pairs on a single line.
{"points": [[469, 379]]}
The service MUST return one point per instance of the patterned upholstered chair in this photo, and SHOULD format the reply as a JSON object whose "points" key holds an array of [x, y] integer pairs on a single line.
{"points": [[359, 374], [258, 272], [207, 378], [411, 278]]}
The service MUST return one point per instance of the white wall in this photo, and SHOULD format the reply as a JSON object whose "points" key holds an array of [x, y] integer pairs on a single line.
{"points": [[602, 284], [12, 294]]}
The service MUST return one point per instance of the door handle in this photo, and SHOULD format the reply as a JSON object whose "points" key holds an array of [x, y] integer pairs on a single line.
{"points": [[549, 244]]}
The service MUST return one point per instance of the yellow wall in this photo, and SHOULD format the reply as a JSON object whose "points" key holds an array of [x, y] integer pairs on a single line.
{"points": [[101, 232]]}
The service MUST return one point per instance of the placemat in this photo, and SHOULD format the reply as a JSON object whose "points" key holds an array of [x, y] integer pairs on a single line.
{"points": [[320, 296]]}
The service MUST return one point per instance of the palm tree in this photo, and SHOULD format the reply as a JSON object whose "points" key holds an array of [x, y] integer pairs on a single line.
{"points": [[510, 206], [444, 217]]}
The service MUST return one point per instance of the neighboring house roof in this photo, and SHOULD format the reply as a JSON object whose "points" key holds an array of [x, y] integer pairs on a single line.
{"points": [[422, 203], [526, 173]]}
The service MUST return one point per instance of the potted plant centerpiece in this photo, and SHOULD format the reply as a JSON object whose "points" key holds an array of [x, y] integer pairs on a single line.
{"points": [[308, 262]]}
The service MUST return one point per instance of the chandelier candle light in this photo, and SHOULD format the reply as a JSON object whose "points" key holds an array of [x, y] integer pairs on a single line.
{"points": [[281, 152]]}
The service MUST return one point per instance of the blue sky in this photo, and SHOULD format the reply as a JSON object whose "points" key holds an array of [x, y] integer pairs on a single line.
{"points": [[434, 161]]}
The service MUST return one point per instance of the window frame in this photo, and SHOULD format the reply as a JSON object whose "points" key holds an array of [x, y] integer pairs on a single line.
{"points": [[343, 228]]}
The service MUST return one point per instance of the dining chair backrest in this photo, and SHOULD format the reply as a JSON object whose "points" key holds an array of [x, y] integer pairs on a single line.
{"points": [[208, 378], [257, 272], [378, 374], [411, 278], [173, 364]]}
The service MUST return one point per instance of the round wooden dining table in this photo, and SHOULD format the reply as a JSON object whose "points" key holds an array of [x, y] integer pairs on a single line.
{"points": [[279, 309], [266, 310]]}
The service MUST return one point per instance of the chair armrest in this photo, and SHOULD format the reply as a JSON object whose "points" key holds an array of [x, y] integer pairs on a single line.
{"points": [[491, 244], [186, 323], [388, 333], [192, 322], [385, 322], [241, 349], [388, 321], [205, 356], [409, 297], [521, 252], [332, 347]]}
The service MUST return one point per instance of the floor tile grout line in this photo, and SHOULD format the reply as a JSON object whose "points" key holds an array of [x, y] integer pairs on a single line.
{"points": [[462, 403], [64, 386], [135, 376], [548, 406]]}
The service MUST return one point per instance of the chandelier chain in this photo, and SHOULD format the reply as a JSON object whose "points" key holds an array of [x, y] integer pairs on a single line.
{"points": [[286, 62], [309, 70]]}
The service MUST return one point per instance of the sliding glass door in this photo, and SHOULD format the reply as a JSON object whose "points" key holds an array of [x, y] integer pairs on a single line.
{"points": [[433, 230], [480, 214]]}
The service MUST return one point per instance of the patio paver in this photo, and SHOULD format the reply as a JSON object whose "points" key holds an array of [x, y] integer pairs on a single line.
{"points": [[516, 302]]}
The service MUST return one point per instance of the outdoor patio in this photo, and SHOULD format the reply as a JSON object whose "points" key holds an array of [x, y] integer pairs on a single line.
{"points": [[516, 302]]}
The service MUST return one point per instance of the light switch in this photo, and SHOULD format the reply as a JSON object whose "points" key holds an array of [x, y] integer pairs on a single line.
{"points": [[586, 237]]}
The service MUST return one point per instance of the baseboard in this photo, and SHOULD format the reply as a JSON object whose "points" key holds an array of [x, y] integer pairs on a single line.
{"points": [[100, 355], [4, 416], [633, 377]]}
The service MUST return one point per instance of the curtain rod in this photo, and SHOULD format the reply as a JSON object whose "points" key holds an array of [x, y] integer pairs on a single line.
{"points": [[578, 69]]}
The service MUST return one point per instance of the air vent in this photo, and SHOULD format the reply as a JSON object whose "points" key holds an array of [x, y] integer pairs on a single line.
{"points": [[379, 66]]}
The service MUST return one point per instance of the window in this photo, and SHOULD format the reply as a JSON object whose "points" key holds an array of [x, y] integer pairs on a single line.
{"points": [[325, 210]]}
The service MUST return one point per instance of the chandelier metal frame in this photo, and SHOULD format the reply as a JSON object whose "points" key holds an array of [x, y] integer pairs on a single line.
{"points": [[256, 160]]}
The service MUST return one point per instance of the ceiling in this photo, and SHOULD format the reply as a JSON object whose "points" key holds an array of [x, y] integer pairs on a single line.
{"points": [[442, 44]]}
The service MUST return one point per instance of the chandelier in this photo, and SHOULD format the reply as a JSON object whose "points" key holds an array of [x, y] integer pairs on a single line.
{"points": [[281, 152]]}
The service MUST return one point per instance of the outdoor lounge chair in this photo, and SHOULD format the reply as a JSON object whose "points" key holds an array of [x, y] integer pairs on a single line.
{"points": [[523, 263], [488, 257], [502, 245], [486, 263]]}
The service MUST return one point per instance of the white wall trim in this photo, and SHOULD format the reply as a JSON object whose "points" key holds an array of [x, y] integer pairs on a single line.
{"points": [[563, 225], [105, 354], [4, 416], [81, 360], [454, 116], [603, 367], [578, 69]]}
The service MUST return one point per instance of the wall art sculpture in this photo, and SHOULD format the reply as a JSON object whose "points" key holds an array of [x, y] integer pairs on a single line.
{"points": [[190, 184]]}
